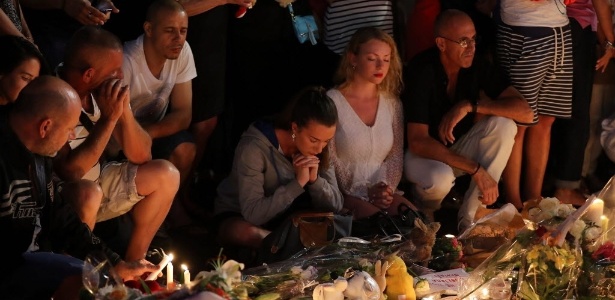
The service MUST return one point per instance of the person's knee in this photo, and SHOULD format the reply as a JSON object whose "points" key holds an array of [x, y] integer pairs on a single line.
{"points": [[85, 195], [502, 127], [155, 175], [435, 187]]}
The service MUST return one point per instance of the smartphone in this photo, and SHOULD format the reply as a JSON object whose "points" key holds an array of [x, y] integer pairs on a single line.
{"points": [[103, 6]]}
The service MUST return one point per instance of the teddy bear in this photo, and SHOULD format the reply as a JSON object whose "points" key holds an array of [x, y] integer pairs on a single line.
{"points": [[420, 241], [399, 282]]}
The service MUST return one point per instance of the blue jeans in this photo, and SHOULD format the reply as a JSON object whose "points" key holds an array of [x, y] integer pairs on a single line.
{"points": [[40, 275]]}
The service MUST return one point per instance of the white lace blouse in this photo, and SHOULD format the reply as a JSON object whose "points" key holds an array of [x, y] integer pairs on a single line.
{"points": [[365, 155]]}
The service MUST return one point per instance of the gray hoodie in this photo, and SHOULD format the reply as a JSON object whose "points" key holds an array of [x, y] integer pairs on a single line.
{"points": [[262, 182]]}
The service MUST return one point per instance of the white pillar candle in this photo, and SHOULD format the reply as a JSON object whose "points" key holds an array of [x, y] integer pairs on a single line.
{"points": [[186, 274], [169, 274], [163, 263], [594, 212]]}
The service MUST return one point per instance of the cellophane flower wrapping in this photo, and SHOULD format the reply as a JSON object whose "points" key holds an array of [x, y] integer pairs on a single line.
{"points": [[545, 270], [549, 272], [298, 275], [501, 263]]}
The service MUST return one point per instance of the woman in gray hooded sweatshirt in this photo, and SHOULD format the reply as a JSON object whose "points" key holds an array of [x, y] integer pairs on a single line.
{"points": [[281, 165]]}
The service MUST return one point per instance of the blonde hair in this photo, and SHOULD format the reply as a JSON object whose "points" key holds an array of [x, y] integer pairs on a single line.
{"points": [[392, 83]]}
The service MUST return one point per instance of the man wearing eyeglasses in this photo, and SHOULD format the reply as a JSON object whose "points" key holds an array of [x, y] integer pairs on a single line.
{"points": [[460, 114]]}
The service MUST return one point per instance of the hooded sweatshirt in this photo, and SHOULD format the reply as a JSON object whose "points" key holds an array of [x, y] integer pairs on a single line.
{"points": [[262, 183]]}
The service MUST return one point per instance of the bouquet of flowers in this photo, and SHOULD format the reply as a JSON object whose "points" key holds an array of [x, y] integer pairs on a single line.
{"points": [[549, 272], [446, 254], [546, 254]]}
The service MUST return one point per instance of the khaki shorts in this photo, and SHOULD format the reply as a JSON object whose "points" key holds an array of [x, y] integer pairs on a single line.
{"points": [[117, 181]]}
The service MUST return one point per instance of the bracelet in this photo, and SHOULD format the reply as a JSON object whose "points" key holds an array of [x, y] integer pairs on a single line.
{"points": [[608, 45], [476, 170]]}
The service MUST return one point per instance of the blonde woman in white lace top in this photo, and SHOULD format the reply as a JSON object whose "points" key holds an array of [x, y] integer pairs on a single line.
{"points": [[367, 150]]}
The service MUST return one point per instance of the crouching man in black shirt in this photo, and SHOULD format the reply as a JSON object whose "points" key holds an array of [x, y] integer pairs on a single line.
{"points": [[33, 222]]}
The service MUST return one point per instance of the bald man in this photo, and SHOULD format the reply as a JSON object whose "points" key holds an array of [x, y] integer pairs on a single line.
{"points": [[37, 126], [459, 112], [138, 185], [159, 68]]}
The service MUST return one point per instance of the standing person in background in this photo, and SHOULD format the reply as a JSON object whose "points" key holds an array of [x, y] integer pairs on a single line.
{"points": [[570, 136], [280, 166], [371, 116], [343, 17], [603, 94], [209, 87], [12, 21], [53, 22], [535, 49]]}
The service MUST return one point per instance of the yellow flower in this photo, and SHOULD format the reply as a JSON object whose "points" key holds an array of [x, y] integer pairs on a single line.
{"points": [[533, 254]]}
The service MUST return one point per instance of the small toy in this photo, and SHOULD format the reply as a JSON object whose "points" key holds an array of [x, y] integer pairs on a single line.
{"points": [[330, 291], [381, 268], [399, 282]]}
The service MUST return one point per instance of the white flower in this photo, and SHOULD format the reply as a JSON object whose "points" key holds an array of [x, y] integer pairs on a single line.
{"points": [[592, 233], [544, 215], [563, 210], [577, 229], [533, 213], [231, 271], [365, 263], [549, 204]]}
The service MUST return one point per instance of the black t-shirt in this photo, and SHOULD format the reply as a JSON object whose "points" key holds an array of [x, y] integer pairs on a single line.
{"points": [[425, 99]]}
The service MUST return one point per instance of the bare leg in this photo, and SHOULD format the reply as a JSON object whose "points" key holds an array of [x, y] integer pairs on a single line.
{"points": [[202, 132], [511, 176], [85, 196], [182, 158], [536, 152], [237, 231], [158, 181], [569, 196]]}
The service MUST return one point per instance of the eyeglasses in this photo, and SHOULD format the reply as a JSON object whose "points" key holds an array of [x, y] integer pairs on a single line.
{"points": [[464, 42]]}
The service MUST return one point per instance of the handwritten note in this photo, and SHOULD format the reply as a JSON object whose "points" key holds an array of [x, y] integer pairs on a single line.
{"points": [[446, 281]]}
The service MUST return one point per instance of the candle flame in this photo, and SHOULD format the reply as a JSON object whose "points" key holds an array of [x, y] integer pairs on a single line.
{"points": [[171, 256], [184, 267], [449, 236]]}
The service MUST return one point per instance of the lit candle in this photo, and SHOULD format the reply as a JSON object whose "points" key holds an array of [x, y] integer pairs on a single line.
{"points": [[169, 274], [186, 274], [163, 263], [594, 212]]}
